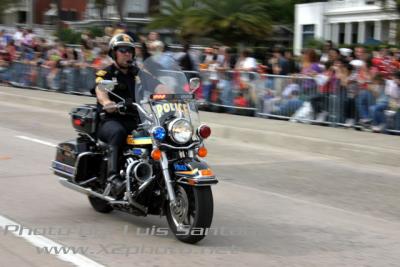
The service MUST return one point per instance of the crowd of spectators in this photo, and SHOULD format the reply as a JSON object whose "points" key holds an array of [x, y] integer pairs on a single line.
{"points": [[349, 86], [45, 62]]}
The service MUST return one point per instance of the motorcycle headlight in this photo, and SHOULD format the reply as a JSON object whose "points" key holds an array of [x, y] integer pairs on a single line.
{"points": [[180, 130]]}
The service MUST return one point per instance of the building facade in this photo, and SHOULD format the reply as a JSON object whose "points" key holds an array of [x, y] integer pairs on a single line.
{"points": [[45, 11], [345, 22], [130, 9], [38, 11]]}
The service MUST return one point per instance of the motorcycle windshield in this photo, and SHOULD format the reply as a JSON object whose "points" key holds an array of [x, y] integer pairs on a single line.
{"points": [[164, 91]]}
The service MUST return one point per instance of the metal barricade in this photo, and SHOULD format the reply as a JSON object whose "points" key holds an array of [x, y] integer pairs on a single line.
{"points": [[69, 79], [230, 91], [19, 74], [300, 98], [392, 118], [295, 98]]}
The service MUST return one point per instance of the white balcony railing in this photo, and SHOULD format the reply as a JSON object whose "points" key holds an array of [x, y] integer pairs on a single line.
{"points": [[357, 4]]}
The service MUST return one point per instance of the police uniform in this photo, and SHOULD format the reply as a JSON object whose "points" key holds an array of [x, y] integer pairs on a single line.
{"points": [[115, 127]]}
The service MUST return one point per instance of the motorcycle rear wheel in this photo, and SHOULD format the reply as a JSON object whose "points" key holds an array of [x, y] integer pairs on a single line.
{"points": [[193, 215]]}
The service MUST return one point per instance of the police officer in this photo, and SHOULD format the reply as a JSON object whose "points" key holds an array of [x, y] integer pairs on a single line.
{"points": [[114, 127]]}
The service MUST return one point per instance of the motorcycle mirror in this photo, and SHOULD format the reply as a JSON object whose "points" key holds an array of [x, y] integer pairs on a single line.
{"points": [[108, 86], [194, 84]]}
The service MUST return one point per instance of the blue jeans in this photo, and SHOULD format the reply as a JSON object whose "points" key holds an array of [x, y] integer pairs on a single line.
{"points": [[207, 88], [377, 113], [289, 108], [68, 75], [227, 93], [363, 101]]}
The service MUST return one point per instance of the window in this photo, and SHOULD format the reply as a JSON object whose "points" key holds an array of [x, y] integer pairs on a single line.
{"points": [[69, 15], [370, 2], [21, 17], [308, 33], [354, 32], [342, 29]]}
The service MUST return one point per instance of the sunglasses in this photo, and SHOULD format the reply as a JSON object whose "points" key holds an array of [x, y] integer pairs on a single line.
{"points": [[125, 50]]}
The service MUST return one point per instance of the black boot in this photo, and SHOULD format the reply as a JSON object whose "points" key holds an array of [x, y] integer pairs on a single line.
{"points": [[117, 183]]}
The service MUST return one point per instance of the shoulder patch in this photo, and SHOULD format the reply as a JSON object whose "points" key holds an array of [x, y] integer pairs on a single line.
{"points": [[99, 79], [101, 73]]}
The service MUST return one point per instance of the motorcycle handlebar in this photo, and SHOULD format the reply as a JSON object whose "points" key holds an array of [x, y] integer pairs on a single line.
{"points": [[121, 105]]}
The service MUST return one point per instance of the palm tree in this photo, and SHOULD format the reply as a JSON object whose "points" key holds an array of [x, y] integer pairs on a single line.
{"points": [[120, 8], [4, 4], [231, 22], [387, 5], [173, 15], [154, 6], [59, 20], [101, 5]]}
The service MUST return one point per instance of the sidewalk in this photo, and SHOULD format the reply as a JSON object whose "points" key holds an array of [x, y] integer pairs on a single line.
{"points": [[343, 143]]}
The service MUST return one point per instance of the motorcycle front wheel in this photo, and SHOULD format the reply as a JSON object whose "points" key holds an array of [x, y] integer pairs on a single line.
{"points": [[190, 219]]}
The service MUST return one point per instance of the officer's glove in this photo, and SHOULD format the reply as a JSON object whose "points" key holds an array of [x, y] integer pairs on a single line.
{"points": [[130, 105]]}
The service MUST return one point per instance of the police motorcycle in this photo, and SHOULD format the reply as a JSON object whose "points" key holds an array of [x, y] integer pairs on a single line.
{"points": [[162, 162]]}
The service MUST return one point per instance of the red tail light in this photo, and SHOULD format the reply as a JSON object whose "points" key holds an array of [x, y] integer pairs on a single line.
{"points": [[204, 131], [78, 122]]}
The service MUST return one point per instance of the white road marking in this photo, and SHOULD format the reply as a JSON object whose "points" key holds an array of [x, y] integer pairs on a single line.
{"points": [[41, 242], [36, 140]]}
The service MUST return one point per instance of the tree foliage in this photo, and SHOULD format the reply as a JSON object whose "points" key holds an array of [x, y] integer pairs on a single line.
{"points": [[231, 21], [68, 36], [101, 6], [4, 4], [174, 15], [120, 8], [384, 4], [226, 21]]}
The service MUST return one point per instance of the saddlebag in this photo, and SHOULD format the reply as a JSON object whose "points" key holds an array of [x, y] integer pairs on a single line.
{"points": [[84, 118], [75, 161]]}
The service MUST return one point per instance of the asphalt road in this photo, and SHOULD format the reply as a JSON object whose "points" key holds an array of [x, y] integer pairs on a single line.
{"points": [[273, 207]]}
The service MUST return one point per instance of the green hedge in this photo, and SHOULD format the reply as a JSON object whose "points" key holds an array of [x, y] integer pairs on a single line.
{"points": [[68, 36]]}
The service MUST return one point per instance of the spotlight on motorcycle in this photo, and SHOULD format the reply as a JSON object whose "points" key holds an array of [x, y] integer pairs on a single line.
{"points": [[204, 131], [159, 133]]}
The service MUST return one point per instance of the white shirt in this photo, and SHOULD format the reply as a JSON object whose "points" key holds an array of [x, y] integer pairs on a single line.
{"points": [[249, 63], [392, 89], [18, 36]]}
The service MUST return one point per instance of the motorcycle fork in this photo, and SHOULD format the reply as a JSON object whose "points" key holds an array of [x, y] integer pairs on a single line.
{"points": [[167, 179]]}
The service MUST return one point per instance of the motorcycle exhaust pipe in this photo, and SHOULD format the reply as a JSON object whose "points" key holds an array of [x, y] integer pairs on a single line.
{"points": [[84, 190], [90, 192]]}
